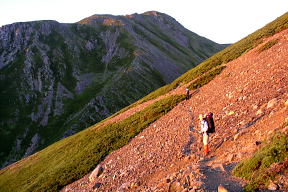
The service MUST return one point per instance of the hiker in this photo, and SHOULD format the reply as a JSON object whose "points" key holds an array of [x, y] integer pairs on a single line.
{"points": [[204, 130], [187, 93]]}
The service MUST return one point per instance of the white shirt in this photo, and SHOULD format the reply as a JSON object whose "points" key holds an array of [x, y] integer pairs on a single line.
{"points": [[204, 126]]}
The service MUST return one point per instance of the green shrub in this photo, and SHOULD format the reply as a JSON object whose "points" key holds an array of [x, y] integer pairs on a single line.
{"points": [[206, 78], [268, 45], [255, 168]]}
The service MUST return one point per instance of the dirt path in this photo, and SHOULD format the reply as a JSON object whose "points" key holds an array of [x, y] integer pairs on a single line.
{"points": [[247, 99], [219, 175]]}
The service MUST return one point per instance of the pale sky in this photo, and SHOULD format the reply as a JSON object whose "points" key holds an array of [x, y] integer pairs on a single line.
{"points": [[222, 21]]}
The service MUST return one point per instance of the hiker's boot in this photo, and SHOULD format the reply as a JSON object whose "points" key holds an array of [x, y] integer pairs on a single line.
{"points": [[206, 150]]}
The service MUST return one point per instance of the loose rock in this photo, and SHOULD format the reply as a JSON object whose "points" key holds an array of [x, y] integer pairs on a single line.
{"points": [[260, 111], [222, 189], [96, 173], [272, 103], [272, 186], [97, 185], [286, 103]]}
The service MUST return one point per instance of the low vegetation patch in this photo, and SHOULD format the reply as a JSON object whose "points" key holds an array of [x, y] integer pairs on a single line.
{"points": [[70, 159], [206, 78], [268, 45], [266, 163]]}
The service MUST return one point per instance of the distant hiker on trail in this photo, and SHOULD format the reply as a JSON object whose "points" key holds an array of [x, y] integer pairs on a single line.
{"points": [[204, 130], [187, 93]]}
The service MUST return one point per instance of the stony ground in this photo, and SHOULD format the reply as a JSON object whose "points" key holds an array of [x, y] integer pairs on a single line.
{"points": [[248, 100]]}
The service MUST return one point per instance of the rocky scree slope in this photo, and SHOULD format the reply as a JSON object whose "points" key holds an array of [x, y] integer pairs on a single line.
{"points": [[250, 102], [57, 79]]}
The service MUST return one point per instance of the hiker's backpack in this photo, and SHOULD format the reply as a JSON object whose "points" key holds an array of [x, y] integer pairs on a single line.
{"points": [[210, 121]]}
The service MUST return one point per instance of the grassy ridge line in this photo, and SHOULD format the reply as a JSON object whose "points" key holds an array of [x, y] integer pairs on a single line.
{"points": [[72, 158]]}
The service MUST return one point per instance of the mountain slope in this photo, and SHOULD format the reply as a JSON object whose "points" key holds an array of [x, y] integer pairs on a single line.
{"points": [[57, 79], [165, 155], [248, 99]]}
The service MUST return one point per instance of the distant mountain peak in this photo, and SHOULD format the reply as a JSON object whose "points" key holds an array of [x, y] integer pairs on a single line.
{"points": [[108, 20], [152, 13]]}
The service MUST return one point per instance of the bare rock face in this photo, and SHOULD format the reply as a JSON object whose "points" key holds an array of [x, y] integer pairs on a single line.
{"points": [[57, 79], [34, 142]]}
